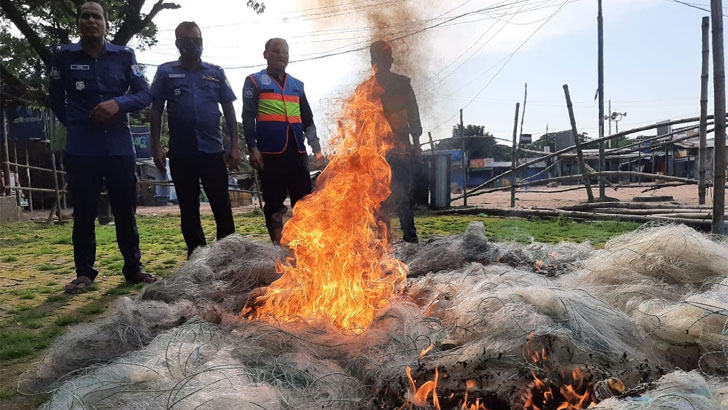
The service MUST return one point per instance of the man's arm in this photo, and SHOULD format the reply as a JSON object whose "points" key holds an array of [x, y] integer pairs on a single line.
{"points": [[413, 117], [56, 90], [155, 119], [155, 134], [231, 123], [139, 96], [309, 128], [250, 112]]}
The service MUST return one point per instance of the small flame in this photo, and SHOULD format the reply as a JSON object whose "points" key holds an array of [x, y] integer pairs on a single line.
{"points": [[426, 350], [418, 396], [470, 384], [577, 395]]}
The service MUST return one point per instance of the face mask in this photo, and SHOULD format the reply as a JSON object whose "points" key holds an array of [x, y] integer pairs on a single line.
{"points": [[190, 49]]}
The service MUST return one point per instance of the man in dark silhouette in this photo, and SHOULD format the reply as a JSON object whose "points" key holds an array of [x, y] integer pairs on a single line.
{"points": [[400, 109]]}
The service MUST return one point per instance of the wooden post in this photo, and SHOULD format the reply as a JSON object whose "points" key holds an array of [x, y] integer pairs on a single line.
{"points": [[716, 17], [257, 189], [57, 202], [27, 175], [702, 151], [18, 192], [465, 168], [432, 143], [5, 151], [600, 58], [514, 157], [577, 143]]}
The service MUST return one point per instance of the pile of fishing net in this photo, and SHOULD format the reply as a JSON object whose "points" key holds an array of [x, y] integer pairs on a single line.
{"points": [[487, 321]]}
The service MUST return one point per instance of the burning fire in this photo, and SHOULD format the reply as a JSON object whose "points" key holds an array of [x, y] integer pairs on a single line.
{"points": [[340, 265], [541, 395]]}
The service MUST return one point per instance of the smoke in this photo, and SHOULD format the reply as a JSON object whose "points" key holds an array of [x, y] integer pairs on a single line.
{"points": [[390, 20]]}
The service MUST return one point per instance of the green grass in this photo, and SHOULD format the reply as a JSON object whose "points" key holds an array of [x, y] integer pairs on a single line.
{"points": [[20, 343], [24, 294], [9, 258], [69, 320]]}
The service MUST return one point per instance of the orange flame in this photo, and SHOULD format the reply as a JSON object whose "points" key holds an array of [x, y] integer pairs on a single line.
{"points": [[418, 395], [426, 350], [341, 266]]}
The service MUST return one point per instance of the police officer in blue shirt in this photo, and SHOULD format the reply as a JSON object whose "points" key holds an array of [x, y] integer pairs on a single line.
{"points": [[94, 84], [193, 91]]}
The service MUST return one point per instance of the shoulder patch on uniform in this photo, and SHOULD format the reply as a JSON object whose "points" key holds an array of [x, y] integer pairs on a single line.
{"points": [[248, 92], [136, 70], [265, 79], [55, 73]]}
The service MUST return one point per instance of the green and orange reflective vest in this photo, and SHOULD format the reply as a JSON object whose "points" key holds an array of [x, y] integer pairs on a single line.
{"points": [[279, 109]]}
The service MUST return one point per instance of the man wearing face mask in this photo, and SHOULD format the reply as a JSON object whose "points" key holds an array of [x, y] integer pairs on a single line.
{"points": [[276, 118], [193, 91], [93, 85]]}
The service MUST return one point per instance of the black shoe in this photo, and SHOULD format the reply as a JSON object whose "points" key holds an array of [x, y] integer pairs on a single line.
{"points": [[141, 277]]}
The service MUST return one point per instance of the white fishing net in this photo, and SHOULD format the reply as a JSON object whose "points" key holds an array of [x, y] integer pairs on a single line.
{"points": [[650, 308]]}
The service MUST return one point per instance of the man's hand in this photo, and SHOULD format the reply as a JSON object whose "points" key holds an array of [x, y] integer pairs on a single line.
{"points": [[104, 111], [416, 151], [160, 159], [256, 159], [232, 158], [319, 161]]}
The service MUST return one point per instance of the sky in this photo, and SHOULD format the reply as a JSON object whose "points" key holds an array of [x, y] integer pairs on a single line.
{"points": [[474, 55]]}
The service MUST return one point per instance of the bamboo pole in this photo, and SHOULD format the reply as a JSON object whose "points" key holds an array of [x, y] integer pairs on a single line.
{"points": [[465, 173], [702, 150], [716, 14], [4, 140], [514, 157], [577, 144], [600, 75], [570, 148], [27, 175]]}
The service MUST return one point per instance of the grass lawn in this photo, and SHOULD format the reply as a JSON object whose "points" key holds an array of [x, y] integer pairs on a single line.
{"points": [[36, 261]]}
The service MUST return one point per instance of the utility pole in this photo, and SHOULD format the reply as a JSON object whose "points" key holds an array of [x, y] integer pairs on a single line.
{"points": [[465, 169], [716, 17], [600, 40], [702, 160], [514, 157]]}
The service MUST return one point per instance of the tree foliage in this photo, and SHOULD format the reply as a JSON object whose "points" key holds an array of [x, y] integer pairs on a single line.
{"points": [[478, 143], [30, 28]]}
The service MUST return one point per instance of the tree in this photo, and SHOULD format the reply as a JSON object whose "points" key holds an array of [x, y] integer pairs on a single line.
{"points": [[478, 143], [43, 24]]}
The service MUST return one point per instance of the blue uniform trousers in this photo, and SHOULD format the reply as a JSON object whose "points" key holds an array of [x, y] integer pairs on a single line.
{"points": [[86, 174], [187, 172]]}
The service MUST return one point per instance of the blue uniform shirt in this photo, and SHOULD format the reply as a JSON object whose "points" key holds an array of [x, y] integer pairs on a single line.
{"points": [[79, 82], [193, 106]]}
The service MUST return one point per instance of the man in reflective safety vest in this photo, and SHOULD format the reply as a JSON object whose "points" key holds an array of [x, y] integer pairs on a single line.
{"points": [[400, 108], [276, 118]]}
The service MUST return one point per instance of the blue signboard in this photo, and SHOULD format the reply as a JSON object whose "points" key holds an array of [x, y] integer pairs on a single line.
{"points": [[455, 154], [140, 135], [25, 123]]}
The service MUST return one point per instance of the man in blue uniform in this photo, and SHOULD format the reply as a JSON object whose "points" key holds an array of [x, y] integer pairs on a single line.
{"points": [[94, 84], [276, 117], [400, 109], [193, 90]]}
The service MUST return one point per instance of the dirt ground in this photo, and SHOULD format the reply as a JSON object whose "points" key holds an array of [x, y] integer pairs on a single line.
{"points": [[543, 197]]}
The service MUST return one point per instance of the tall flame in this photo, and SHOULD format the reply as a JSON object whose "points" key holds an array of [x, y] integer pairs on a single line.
{"points": [[340, 265]]}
